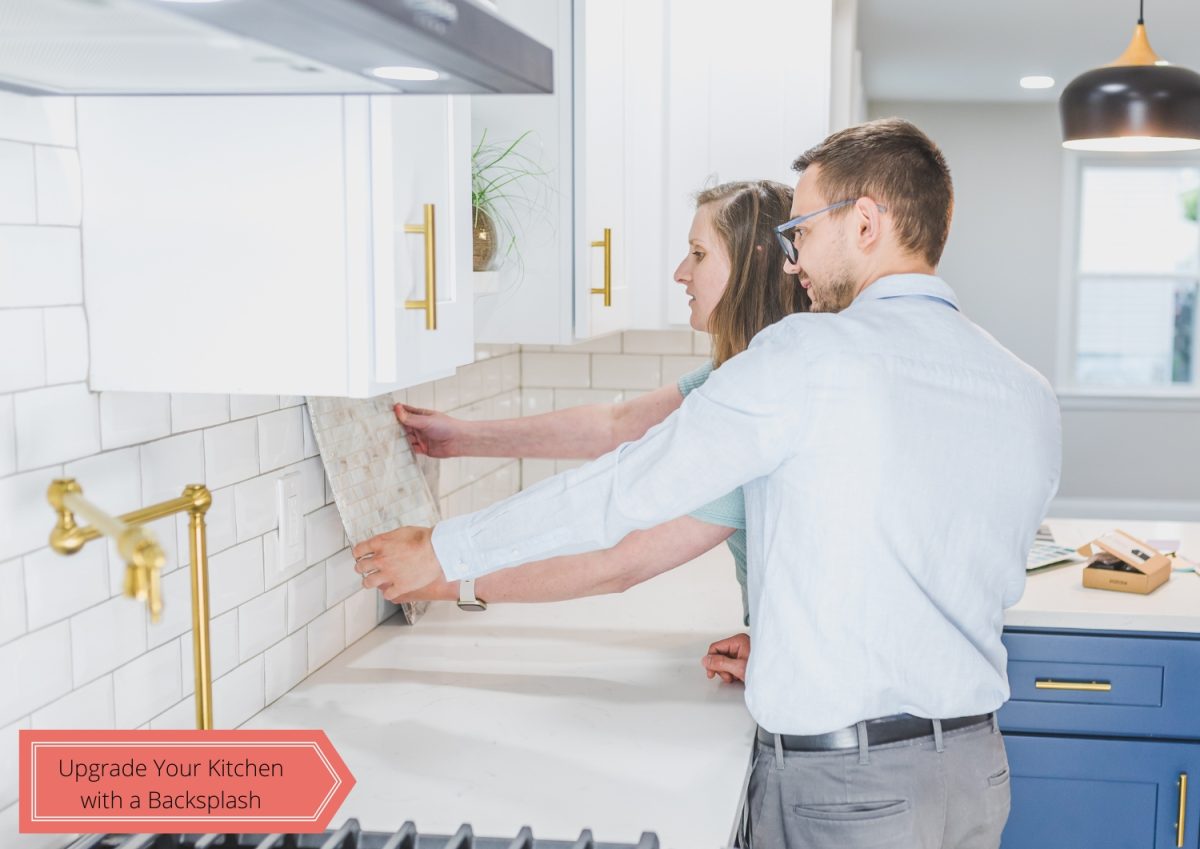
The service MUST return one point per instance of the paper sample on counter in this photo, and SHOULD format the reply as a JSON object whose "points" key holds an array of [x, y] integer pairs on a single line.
{"points": [[378, 483]]}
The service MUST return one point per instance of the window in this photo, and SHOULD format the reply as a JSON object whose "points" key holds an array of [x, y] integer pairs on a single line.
{"points": [[1135, 276]]}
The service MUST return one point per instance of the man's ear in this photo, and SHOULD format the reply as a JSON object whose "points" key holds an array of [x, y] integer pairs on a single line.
{"points": [[870, 221]]}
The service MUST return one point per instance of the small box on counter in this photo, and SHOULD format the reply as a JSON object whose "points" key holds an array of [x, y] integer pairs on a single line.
{"points": [[1118, 561]]}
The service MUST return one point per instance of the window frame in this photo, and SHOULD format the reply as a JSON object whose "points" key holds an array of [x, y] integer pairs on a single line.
{"points": [[1091, 395]]}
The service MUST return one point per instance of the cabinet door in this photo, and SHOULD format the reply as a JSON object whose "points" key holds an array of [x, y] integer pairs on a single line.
{"points": [[1083, 793], [602, 296], [214, 244], [420, 180]]}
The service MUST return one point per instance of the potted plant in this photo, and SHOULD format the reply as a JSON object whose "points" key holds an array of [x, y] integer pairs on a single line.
{"points": [[497, 169]]}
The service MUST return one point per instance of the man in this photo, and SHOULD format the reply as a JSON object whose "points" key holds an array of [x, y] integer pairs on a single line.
{"points": [[896, 462]]}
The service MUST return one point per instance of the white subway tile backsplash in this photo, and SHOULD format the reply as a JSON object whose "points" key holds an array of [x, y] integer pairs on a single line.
{"points": [[235, 576], [626, 371], [181, 715], [177, 609], [274, 576], [112, 480], [445, 393], [326, 637], [90, 706], [674, 368], [55, 424], [564, 398], [262, 622], [310, 439], [555, 370], [657, 342], [106, 636], [244, 406], [240, 694], [230, 453], [312, 484], [286, 665], [9, 740], [169, 465], [534, 471], [534, 402], [148, 685], [40, 266], [12, 601], [36, 670], [129, 418], [281, 438], [8, 437], [191, 411], [23, 365], [57, 587], [341, 581], [223, 650], [323, 533], [18, 201], [59, 187], [45, 120], [510, 373], [701, 344], [28, 517], [305, 597], [360, 614], [286, 401], [255, 506], [66, 345]]}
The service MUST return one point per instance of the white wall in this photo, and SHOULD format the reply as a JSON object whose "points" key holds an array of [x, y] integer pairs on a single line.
{"points": [[1003, 260]]}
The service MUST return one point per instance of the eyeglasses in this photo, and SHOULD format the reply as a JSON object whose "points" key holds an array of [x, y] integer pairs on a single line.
{"points": [[786, 241]]}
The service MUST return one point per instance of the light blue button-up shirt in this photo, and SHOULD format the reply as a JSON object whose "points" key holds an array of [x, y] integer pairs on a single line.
{"points": [[896, 462]]}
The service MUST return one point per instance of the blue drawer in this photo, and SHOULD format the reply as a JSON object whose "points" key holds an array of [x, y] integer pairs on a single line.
{"points": [[1131, 686]]}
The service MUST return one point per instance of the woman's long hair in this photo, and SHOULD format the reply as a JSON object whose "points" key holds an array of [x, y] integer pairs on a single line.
{"points": [[759, 293]]}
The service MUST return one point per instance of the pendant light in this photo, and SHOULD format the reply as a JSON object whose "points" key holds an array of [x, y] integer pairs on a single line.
{"points": [[1138, 103]]}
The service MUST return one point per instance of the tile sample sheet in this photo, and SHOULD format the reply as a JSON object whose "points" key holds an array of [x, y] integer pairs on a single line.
{"points": [[378, 483]]}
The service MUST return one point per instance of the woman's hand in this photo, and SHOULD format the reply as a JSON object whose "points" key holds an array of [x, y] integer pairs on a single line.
{"points": [[431, 433], [439, 590], [727, 658]]}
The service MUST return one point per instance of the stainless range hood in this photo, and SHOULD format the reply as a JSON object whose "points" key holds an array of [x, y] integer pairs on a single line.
{"points": [[123, 47]]}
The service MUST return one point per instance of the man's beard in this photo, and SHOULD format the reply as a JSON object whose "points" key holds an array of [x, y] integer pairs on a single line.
{"points": [[835, 295]]}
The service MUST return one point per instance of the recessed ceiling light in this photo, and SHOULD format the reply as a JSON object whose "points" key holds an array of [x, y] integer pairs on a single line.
{"points": [[1037, 82], [405, 72]]}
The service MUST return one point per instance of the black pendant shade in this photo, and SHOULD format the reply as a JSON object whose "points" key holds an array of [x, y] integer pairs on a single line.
{"points": [[1137, 103]]}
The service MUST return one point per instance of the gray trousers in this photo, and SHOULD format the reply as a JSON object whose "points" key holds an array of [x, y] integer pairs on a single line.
{"points": [[925, 793]]}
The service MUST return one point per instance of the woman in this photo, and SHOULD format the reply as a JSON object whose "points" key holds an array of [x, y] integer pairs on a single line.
{"points": [[736, 283]]}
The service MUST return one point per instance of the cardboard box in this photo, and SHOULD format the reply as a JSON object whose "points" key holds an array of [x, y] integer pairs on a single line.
{"points": [[1122, 562]]}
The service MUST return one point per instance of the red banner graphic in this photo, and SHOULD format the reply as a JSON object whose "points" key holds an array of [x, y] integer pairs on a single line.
{"points": [[180, 781]]}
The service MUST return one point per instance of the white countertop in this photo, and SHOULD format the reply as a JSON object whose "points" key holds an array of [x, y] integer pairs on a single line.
{"points": [[585, 714], [1056, 597]]}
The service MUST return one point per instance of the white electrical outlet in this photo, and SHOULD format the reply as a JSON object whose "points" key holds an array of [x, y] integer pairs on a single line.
{"points": [[291, 522]]}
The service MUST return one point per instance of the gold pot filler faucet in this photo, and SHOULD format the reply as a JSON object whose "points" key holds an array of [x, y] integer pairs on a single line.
{"points": [[144, 560]]}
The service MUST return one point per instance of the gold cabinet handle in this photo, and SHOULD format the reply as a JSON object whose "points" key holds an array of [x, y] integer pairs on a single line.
{"points": [[1182, 808], [606, 289], [429, 303], [1088, 686]]}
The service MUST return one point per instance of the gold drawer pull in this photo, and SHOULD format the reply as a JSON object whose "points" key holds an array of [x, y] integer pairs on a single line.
{"points": [[1088, 686], [1182, 808], [606, 289], [429, 304]]}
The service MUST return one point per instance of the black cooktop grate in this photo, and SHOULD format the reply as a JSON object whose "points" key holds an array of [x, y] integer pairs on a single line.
{"points": [[351, 836]]}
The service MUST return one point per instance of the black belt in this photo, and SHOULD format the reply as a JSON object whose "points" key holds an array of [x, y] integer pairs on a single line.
{"points": [[887, 729]]}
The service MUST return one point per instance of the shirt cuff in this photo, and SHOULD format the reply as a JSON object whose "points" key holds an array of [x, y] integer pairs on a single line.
{"points": [[452, 545]]}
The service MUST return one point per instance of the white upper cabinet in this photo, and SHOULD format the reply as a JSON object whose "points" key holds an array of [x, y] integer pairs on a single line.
{"points": [[275, 245], [654, 101]]}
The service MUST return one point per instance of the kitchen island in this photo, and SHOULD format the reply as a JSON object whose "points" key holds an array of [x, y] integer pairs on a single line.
{"points": [[592, 713]]}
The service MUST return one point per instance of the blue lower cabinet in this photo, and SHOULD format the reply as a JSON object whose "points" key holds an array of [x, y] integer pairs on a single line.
{"points": [[1088, 793]]}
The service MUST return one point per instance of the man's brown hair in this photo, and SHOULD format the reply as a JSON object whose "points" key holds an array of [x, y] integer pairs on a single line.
{"points": [[894, 163]]}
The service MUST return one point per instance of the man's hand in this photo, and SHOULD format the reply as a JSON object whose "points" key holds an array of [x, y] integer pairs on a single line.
{"points": [[727, 658], [431, 433], [398, 562]]}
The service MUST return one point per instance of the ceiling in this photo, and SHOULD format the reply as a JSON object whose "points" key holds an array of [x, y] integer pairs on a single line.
{"points": [[979, 49]]}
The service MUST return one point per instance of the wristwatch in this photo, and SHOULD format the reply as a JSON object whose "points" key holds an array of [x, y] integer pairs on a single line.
{"points": [[467, 599]]}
